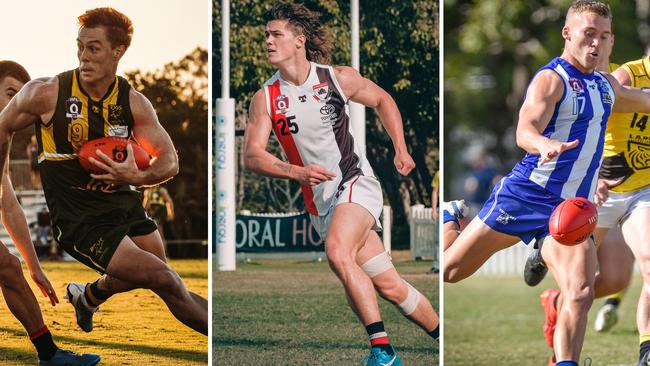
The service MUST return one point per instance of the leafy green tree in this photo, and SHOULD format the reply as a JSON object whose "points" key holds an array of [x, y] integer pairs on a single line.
{"points": [[179, 94], [492, 49], [399, 51]]}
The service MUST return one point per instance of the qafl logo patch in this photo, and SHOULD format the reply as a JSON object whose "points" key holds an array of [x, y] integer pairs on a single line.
{"points": [[73, 107], [576, 86], [281, 104]]}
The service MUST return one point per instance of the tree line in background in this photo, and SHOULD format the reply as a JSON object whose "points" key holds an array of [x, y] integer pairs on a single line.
{"points": [[179, 94], [399, 52], [492, 49]]}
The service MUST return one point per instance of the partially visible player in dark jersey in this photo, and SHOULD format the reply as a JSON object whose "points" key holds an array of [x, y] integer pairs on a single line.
{"points": [[99, 219], [160, 207], [17, 294]]}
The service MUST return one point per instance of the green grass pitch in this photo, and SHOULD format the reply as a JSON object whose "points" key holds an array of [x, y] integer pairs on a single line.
{"points": [[295, 313], [498, 321], [133, 328]]}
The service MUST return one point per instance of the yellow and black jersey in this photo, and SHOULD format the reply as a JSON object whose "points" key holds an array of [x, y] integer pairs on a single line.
{"points": [[70, 192], [154, 198], [627, 138]]}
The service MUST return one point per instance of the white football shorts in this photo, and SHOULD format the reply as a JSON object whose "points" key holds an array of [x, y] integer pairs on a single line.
{"points": [[619, 206], [362, 190]]}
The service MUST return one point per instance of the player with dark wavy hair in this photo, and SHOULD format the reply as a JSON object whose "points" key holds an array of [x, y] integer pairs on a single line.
{"points": [[305, 105], [17, 294], [300, 20], [99, 218]]}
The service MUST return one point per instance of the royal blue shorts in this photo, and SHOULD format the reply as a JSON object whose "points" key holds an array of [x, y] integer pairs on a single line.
{"points": [[520, 208]]}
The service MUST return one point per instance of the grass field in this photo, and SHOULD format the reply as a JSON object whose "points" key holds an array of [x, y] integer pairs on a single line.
{"points": [[130, 329], [295, 313], [498, 321]]}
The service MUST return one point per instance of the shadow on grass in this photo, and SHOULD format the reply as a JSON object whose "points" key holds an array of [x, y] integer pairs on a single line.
{"points": [[219, 341], [16, 355], [157, 351]]}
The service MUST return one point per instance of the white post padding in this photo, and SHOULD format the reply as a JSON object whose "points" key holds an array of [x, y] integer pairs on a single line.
{"points": [[224, 147]]}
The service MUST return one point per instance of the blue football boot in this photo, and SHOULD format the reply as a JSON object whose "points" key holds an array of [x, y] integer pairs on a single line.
{"points": [[67, 358], [378, 357]]}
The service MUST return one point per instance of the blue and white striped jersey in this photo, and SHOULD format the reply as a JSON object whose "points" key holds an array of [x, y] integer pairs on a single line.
{"points": [[581, 114]]}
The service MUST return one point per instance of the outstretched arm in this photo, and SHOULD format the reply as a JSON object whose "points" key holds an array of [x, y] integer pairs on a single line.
{"points": [[13, 218], [257, 159], [543, 93], [35, 100], [364, 91], [150, 134]]}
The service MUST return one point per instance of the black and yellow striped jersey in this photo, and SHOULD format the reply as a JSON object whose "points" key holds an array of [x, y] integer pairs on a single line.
{"points": [[153, 196], [70, 192], [627, 138]]}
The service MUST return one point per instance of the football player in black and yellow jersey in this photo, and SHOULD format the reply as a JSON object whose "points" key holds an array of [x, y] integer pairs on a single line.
{"points": [[624, 190], [160, 207], [99, 219], [17, 294]]}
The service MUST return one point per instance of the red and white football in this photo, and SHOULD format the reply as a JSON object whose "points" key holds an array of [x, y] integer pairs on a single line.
{"points": [[573, 221], [115, 148]]}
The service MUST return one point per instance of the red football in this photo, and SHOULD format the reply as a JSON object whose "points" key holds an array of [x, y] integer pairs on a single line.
{"points": [[573, 221], [115, 148]]}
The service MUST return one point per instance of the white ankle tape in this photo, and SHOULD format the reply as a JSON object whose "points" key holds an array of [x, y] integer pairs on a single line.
{"points": [[408, 306], [377, 265]]}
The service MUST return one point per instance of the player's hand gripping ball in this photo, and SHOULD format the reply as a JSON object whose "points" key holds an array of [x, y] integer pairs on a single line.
{"points": [[573, 221], [115, 148]]}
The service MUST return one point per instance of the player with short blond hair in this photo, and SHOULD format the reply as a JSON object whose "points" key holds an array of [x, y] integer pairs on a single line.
{"points": [[561, 126]]}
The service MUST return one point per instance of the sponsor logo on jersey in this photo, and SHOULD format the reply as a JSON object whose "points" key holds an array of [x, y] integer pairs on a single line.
{"points": [[504, 218], [281, 104], [302, 98], [604, 90], [329, 115], [327, 109], [322, 92], [118, 131], [73, 107], [115, 116]]}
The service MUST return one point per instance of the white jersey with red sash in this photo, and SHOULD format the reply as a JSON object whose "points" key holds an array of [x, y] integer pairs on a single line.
{"points": [[312, 123]]}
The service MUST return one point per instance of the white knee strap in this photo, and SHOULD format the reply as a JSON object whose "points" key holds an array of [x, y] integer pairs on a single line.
{"points": [[377, 265], [408, 306]]}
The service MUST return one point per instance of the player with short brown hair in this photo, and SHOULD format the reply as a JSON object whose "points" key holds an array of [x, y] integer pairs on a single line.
{"points": [[99, 218]]}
